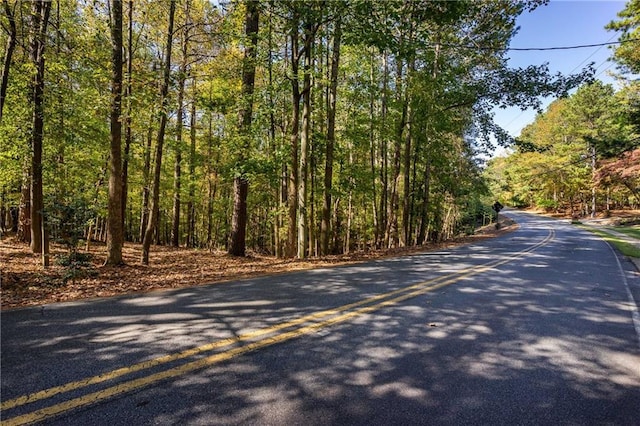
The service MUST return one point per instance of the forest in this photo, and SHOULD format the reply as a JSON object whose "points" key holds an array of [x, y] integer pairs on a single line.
{"points": [[290, 128]]}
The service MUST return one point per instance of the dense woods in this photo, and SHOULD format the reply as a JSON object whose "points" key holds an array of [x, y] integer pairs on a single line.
{"points": [[293, 128]]}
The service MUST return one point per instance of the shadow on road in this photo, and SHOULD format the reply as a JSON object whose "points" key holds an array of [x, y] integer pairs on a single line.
{"points": [[541, 340]]}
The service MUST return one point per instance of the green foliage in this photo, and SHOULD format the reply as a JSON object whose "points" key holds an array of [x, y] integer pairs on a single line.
{"points": [[627, 54], [76, 265], [414, 99], [551, 167], [68, 219]]}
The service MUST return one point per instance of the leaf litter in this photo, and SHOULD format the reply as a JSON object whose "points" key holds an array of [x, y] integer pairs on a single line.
{"points": [[23, 281]]}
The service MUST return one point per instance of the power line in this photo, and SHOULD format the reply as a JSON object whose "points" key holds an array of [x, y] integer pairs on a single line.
{"points": [[525, 49], [593, 53], [605, 69], [582, 46], [576, 67]]}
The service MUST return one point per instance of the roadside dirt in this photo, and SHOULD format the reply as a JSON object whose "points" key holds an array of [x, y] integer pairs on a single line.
{"points": [[23, 281]]}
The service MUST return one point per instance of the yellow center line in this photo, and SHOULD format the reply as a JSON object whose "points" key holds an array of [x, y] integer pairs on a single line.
{"points": [[418, 289], [50, 392]]}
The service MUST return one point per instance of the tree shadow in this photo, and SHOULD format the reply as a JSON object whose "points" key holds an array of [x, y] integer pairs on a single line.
{"points": [[544, 339]]}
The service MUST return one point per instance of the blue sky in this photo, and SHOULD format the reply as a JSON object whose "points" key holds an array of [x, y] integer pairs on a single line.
{"points": [[562, 23]]}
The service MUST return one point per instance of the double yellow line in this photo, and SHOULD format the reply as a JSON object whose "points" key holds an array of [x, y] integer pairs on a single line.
{"points": [[265, 337]]}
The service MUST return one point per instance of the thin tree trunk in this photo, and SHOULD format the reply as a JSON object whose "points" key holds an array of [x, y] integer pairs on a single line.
{"points": [[372, 157], [423, 232], [177, 174], [237, 246], [280, 196], [115, 227], [303, 230], [155, 200], [325, 227], [144, 213], [384, 160], [424, 216], [292, 189], [24, 209], [128, 138], [191, 214], [347, 237], [392, 227], [177, 171], [211, 185], [407, 196], [40, 18]]}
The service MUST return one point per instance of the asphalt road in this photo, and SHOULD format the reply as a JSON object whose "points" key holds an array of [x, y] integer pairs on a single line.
{"points": [[532, 328]]}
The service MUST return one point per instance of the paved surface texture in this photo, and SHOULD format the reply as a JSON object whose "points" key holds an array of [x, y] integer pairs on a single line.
{"points": [[536, 327]]}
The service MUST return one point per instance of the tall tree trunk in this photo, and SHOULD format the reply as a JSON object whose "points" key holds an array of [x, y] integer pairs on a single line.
{"points": [[144, 211], [292, 189], [127, 120], [237, 246], [347, 238], [115, 227], [177, 175], [40, 16], [423, 232], [325, 227], [177, 170], [191, 214], [424, 216], [8, 53], [280, 195], [384, 160], [305, 137], [372, 155], [24, 209], [155, 199], [407, 195], [392, 226], [211, 185]]}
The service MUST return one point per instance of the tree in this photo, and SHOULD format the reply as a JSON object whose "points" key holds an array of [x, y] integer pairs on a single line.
{"points": [[39, 23], [164, 102], [115, 228], [182, 78], [237, 244], [325, 230], [565, 159], [346, 121], [593, 115], [627, 53], [128, 138]]}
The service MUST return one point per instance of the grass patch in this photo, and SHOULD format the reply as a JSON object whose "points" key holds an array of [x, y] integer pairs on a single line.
{"points": [[624, 247], [632, 231]]}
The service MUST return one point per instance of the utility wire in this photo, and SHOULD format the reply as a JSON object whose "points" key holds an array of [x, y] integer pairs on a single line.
{"points": [[574, 47], [593, 53], [576, 67], [524, 49]]}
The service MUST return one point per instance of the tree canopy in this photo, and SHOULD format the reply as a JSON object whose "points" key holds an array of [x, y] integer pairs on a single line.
{"points": [[328, 127]]}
